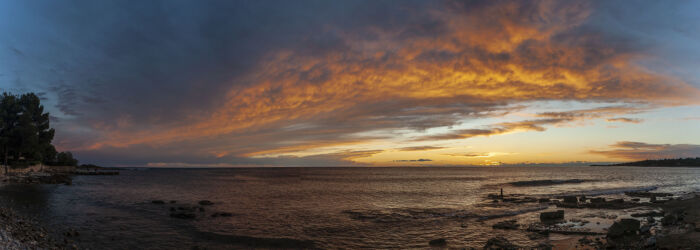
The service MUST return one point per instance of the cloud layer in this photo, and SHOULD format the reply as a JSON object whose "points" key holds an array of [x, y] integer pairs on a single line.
{"points": [[629, 150], [250, 82]]}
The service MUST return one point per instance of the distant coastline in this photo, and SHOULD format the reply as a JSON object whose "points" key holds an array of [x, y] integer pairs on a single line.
{"points": [[680, 162]]}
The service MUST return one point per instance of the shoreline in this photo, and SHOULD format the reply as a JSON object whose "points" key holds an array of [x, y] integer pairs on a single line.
{"points": [[663, 220], [20, 232]]}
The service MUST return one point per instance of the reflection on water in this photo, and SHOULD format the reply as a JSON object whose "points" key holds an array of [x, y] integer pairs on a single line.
{"points": [[333, 207]]}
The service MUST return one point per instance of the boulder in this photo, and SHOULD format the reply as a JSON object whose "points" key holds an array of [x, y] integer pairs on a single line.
{"points": [[206, 203], [438, 243], [552, 216], [623, 227], [500, 243]]}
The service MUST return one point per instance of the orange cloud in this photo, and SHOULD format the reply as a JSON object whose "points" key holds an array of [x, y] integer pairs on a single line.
{"points": [[420, 148], [644, 151], [624, 119], [478, 58]]}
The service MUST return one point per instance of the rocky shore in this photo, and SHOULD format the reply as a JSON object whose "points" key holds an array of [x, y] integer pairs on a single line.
{"points": [[18, 232], [641, 220], [21, 232]]}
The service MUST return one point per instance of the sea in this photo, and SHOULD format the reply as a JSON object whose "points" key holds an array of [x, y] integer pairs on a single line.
{"points": [[327, 208]]}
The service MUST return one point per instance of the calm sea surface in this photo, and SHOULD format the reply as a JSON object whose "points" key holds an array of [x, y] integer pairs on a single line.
{"points": [[333, 207]]}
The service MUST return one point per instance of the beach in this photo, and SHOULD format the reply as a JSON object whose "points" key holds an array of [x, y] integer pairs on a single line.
{"points": [[322, 208]]}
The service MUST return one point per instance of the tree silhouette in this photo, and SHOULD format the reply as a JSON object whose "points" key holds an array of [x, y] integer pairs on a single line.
{"points": [[26, 133]]}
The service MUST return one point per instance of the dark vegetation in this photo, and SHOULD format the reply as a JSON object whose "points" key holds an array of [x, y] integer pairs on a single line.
{"points": [[26, 135], [680, 162]]}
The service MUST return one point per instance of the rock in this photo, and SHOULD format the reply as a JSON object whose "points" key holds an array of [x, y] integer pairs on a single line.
{"points": [[669, 219], [537, 235], [509, 224], [623, 227], [651, 220], [222, 214], [158, 202], [543, 246], [206, 203], [598, 200], [651, 241], [183, 215], [648, 214], [644, 229], [493, 196], [543, 200], [552, 216], [635, 199], [438, 243], [582, 198], [173, 202], [585, 241], [500, 243], [570, 199]]}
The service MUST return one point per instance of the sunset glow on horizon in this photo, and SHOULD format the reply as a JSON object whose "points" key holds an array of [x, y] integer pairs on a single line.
{"points": [[360, 83]]}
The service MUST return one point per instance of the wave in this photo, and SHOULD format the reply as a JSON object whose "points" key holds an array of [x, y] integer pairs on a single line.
{"points": [[596, 192], [546, 182]]}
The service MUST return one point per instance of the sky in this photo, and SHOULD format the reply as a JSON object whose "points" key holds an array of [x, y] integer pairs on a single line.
{"points": [[359, 83]]}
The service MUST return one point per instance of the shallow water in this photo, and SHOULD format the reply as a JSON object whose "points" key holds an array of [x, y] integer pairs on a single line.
{"points": [[333, 207]]}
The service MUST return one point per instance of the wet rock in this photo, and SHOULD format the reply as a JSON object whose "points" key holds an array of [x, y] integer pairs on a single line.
{"points": [[543, 246], [183, 215], [598, 200], [651, 220], [494, 196], [537, 235], [221, 214], [509, 224], [670, 219], [159, 202], [651, 241], [648, 214], [645, 229], [623, 227], [500, 243], [438, 243], [552, 216], [206, 203], [585, 241], [570, 199], [647, 194]]}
